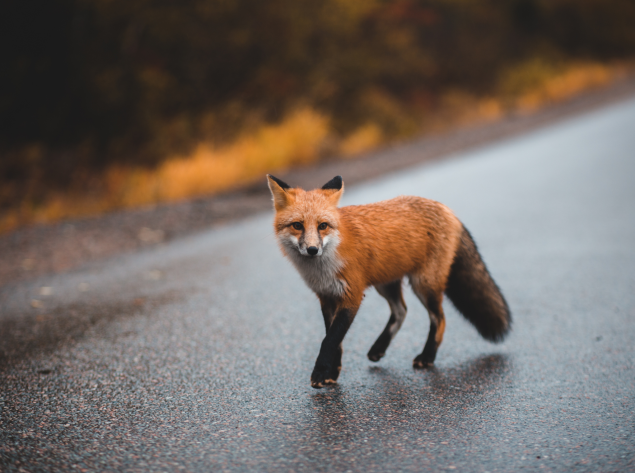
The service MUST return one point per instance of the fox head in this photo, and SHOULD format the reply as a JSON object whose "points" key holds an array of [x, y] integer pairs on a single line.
{"points": [[307, 222]]}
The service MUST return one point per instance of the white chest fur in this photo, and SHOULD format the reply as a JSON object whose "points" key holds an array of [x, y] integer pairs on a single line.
{"points": [[320, 272]]}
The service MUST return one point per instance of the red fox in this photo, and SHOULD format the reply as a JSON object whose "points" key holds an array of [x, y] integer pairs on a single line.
{"points": [[340, 252]]}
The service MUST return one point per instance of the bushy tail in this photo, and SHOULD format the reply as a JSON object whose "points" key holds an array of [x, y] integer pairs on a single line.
{"points": [[475, 294]]}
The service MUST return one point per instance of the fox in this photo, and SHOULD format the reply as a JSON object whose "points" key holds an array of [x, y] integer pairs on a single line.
{"points": [[342, 251]]}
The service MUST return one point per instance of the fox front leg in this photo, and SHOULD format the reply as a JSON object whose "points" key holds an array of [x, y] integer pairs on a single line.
{"points": [[328, 363], [329, 307]]}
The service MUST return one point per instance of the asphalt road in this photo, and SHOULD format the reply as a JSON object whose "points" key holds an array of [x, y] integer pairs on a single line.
{"points": [[196, 355]]}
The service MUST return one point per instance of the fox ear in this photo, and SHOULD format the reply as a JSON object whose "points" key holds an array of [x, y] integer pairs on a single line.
{"points": [[335, 189], [278, 188]]}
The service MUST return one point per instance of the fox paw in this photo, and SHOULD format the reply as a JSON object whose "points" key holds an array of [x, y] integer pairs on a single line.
{"points": [[375, 356], [421, 362], [327, 377]]}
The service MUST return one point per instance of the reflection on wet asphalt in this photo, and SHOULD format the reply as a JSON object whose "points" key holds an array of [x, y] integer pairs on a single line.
{"points": [[196, 355]]}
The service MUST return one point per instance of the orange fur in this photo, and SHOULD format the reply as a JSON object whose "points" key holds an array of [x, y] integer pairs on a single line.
{"points": [[388, 240]]}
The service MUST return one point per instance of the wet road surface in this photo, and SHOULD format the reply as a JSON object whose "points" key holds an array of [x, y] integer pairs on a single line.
{"points": [[196, 356]]}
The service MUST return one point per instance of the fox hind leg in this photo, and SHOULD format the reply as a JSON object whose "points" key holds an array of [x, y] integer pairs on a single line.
{"points": [[392, 293], [432, 301]]}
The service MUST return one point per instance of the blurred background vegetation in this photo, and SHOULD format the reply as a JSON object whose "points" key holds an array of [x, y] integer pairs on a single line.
{"points": [[113, 103]]}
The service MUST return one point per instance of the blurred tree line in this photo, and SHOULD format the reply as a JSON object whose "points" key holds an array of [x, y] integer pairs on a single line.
{"points": [[87, 83]]}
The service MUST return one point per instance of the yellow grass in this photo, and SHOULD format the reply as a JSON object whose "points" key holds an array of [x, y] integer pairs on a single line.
{"points": [[299, 140], [566, 84], [362, 140], [295, 141]]}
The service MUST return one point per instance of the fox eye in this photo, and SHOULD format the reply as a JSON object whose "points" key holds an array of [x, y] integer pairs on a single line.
{"points": [[297, 225], [322, 226]]}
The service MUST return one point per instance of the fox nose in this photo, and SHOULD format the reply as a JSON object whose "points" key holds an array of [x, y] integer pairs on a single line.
{"points": [[312, 250]]}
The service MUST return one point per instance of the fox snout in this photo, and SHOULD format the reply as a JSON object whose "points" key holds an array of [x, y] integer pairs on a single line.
{"points": [[311, 251], [310, 248], [310, 241]]}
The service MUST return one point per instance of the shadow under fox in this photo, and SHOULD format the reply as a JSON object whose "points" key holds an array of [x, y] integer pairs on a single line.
{"points": [[340, 252]]}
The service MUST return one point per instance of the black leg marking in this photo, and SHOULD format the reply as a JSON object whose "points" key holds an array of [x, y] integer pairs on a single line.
{"points": [[429, 353], [328, 363], [378, 350], [329, 306], [392, 293], [435, 336], [336, 367]]}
